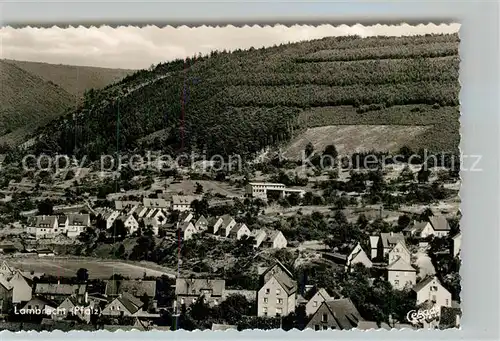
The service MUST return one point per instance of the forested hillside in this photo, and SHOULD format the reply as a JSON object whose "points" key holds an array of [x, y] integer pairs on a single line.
{"points": [[27, 101], [243, 101]]}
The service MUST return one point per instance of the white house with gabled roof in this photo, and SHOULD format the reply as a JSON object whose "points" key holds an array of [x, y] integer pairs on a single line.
{"points": [[401, 274], [431, 290]]}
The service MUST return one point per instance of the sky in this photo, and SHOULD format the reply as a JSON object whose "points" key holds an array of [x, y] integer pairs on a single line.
{"points": [[130, 47]]}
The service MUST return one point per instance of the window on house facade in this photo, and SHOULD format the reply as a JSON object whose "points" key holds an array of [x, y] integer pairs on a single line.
{"points": [[325, 327], [216, 301], [434, 288], [446, 302], [316, 327], [396, 282], [280, 301], [268, 291], [182, 301], [264, 311], [278, 291], [194, 300], [266, 299], [433, 298], [324, 318], [315, 303], [279, 311]]}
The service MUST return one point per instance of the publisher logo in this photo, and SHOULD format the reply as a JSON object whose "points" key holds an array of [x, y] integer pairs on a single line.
{"points": [[418, 316]]}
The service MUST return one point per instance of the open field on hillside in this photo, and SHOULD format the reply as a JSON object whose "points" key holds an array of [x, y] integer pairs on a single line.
{"points": [[67, 267], [354, 138]]}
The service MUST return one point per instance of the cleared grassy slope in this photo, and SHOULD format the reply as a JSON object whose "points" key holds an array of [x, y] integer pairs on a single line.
{"points": [[73, 79]]}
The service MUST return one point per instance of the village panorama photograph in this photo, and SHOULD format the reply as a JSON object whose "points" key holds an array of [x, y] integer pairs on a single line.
{"points": [[230, 178]]}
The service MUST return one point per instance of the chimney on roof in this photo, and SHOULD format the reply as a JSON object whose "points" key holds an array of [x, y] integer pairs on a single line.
{"points": [[391, 233], [457, 321]]}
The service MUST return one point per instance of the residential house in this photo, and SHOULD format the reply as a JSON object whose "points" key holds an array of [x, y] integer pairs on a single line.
{"points": [[130, 222], [182, 202], [158, 215], [201, 224], [259, 236], [431, 289], [70, 306], [186, 217], [43, 226], [137, 288], [153, 224], [435, 226], [22, 287], [189, 290], [140, 211], [109, 216], [214, 224], [58, 292], [400, 251], [187, 230], [277, 295], [125, 204], [123, 305], [239, 230], [40, 304], [401, 274], [314, 302], [275, 239], [348, 256], [374, 246], [62, 223], [77, 223], [6, 270], [457, 244], [226, 225], [387, 242], [155, 203], [335, 314], [5, 295]]}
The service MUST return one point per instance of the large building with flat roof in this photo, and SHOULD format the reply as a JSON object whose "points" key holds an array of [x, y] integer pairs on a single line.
{"points": [[260, 189]]}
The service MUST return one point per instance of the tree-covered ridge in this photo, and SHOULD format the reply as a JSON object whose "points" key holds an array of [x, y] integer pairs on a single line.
{"points": [[242, 101]]}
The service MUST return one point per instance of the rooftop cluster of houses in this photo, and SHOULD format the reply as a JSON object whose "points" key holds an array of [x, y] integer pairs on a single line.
{"points": [[391, 249], [48, 226], [225, 226], [59, 300], [279, 296]]}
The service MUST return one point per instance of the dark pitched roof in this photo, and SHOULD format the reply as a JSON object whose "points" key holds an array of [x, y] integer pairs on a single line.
{"points": [[184, 225], [60, 289], [194, 286], [344, 312], [137, 288], [415, 227], [424, 282], [79, 220], [127, 302], [389, 239], [400, 265], [236, 228], [439, 223]]}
